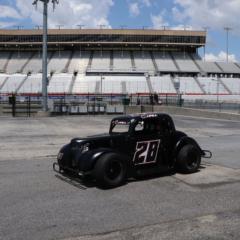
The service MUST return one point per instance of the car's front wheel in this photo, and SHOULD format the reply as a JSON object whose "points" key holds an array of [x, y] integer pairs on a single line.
{"points": [[110, 170], [188, 159]]}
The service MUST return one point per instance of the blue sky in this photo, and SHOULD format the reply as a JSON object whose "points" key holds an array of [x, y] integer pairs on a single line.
{"points": [[177, 14]]}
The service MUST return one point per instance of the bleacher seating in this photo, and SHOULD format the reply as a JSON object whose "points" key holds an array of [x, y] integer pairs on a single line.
{"points": [[79, 61], [229, 67], [24, 62], [136, 85], [17, 61], [195, 56], [3, 59], [13, 83], [212, 86], [60, 83], [143, 61], [162, 84], [112, 84], [85, 84], [164, 62], [233, 84], [2, 79], [132, 65], [188, 85], [209, 67], [122, 61], [101, 61], [185, 63], [35, 64], [58, 62], [33, 84]]}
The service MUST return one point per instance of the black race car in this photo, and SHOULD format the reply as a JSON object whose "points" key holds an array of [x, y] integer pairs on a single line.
{"points": [[136, 145]]}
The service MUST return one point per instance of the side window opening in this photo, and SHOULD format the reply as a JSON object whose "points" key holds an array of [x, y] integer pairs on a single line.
{"points": [[139, 127], [153, 126]]}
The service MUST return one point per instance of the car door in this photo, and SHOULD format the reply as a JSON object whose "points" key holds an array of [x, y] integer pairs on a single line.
{"points": [[147, 142]]}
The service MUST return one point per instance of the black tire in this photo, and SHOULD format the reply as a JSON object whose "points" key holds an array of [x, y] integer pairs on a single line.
{"points": [[188, 159], [110, 170]]}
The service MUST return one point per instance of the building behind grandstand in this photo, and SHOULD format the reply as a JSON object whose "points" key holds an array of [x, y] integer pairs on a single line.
{"points": [[115, 62]]}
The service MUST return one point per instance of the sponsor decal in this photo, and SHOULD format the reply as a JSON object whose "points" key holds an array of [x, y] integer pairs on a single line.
{"points": [[146, 152]]}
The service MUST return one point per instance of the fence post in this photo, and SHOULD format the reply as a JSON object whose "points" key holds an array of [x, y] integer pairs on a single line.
{"points": [[29, 106], [12, 101]]}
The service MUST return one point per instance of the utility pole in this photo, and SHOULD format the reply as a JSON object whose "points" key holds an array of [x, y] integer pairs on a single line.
{"points": [[80, 26], [59, 26], [227, 29], [101, 26], [123, 27], [38, 27], [18, 27], [44, 51]]}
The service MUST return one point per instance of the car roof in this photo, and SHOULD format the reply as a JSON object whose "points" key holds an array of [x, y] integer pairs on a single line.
{"points": [[142, 116]]}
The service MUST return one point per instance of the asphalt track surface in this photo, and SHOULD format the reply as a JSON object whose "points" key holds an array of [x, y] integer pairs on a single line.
{"points": [[36, 204]]}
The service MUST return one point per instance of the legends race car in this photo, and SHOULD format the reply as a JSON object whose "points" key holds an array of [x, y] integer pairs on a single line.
{"points": [[136, 145]]}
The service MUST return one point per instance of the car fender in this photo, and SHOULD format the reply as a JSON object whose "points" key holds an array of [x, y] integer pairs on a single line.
{"points": [[64, 155], [88, 160], [184, 141]]}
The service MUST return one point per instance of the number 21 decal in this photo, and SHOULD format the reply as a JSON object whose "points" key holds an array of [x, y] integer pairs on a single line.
{"points": [[146, 152]]}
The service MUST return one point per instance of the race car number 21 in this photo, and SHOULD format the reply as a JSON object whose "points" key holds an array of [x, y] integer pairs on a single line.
{"points": [[146, 152]]}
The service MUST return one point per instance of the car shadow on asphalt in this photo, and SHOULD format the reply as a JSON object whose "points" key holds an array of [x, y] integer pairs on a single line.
{"points": [[88, 182]]}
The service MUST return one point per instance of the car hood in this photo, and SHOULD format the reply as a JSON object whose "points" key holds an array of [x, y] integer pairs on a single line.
{"points": [[100, 139]]}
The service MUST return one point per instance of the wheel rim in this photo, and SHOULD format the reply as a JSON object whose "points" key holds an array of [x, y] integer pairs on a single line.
{"points": [[192, 160], [113, 170]]}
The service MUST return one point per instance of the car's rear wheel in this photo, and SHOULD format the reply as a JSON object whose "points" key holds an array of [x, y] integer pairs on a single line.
{"points": [[188, 159], [110, 170]]}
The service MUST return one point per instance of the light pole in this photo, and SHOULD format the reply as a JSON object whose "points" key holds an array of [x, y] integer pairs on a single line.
{"points": [[59, 26], [80, 26], [227, 29], [101, 26], [38, 27], [44, 51], [123, 27]]}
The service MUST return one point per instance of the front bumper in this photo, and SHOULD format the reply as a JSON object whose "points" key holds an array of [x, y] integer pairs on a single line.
{"points": [[62, 169]]}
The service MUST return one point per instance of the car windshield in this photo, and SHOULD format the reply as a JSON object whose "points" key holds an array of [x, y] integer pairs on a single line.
{"points": [[119, 126]]}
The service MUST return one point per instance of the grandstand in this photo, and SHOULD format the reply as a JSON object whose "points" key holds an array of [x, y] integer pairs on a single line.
{"points": [[114, 61]]}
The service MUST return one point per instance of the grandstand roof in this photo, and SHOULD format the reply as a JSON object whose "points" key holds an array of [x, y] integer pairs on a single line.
{"points": [[104, 36], [104, 31]]}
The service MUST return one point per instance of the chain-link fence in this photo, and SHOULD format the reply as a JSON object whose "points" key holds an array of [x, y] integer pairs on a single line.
{"points": [[28, 105]]}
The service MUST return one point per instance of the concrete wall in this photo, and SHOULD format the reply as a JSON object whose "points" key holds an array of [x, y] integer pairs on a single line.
{"points": [[183, 111]]}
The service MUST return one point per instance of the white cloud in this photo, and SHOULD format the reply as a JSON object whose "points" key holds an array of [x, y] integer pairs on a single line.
{"points": [[213, 13], [69, 13], [147, 3], [9, 12], [181, 27], [136, 6], [134, 9], [158, 21], [221, 57]]}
